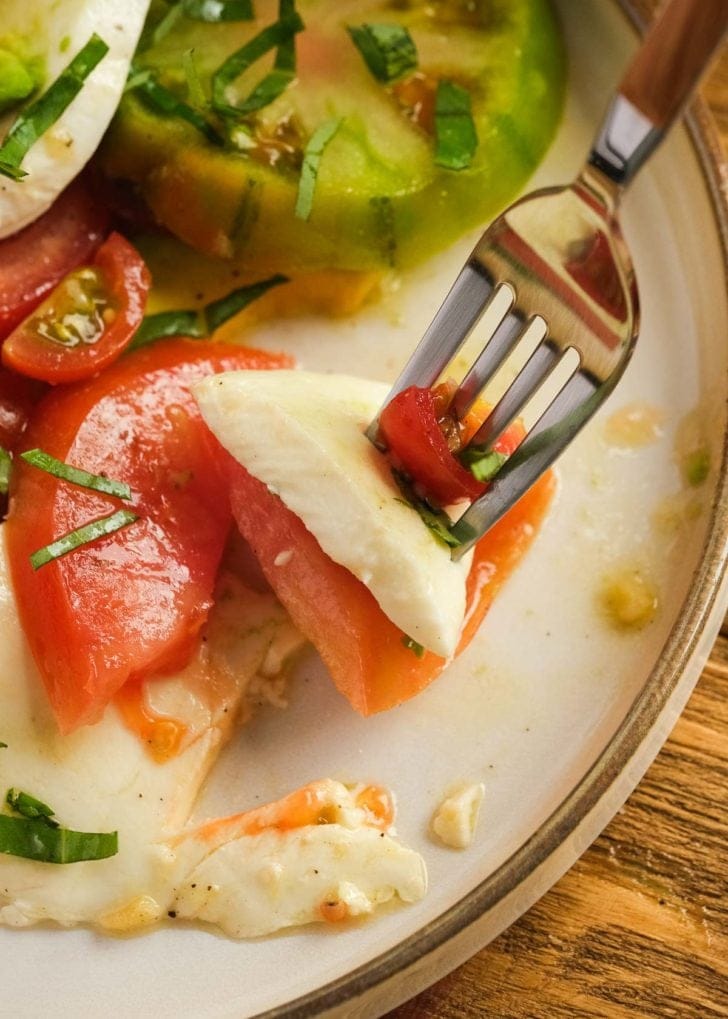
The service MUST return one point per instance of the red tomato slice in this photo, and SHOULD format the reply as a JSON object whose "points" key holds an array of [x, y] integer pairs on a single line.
{"points": [[35, 259], [362, 649], [87, 321], [416, 443], [130, 604]]}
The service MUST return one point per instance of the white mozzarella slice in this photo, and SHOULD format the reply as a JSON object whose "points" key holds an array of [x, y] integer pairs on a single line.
{"points": [[302, 434], [57, 30], [254, 884], [102, 778]]}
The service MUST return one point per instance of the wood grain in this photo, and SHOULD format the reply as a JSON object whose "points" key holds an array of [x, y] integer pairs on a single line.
{"points": [[639, 926]]}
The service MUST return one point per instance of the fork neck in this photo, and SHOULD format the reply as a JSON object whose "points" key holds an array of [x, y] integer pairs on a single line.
{"points": [[659, 80]]}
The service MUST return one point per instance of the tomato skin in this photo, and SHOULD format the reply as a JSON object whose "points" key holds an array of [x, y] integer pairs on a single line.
{"points": [[126, 281], [410, 429], [18, 396], [130, 604], [362, 649], [34, 260]]}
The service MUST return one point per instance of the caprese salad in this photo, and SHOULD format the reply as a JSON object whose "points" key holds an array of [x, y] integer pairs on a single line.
{"points": [[182, 512]]}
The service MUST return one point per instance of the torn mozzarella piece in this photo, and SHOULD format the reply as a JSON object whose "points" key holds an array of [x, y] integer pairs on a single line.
{"points": [[253, 874], [455, 819], [302, 434], [104, 778], [56, 31]]}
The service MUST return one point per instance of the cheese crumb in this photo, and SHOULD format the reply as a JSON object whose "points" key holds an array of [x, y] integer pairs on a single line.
{"points": [[455, 819]]}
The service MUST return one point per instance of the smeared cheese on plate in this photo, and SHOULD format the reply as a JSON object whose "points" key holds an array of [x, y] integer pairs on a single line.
{"points": [[302, 434], [54, 32], [324, 852]]}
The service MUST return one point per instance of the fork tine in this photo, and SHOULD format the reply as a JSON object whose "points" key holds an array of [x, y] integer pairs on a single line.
{"points": [[534, 372], [467, 300], [557, 426], [491, 357]]}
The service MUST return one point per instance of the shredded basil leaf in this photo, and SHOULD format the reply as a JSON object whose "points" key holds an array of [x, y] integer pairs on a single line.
{"points": [[82, 536], [195, 92], [217, 312], [435, 520], [311, 163], [137, 77], [35, 839], [29, 806], [167, 103], [388, 50], [35, 120], [269, 88], [200, 324], [6, 463], [275, 35], [455, 136], [3, 746], [284, 69], [168, 323], [45, 462], [214, 11], [285, 59], [483, 464], [164, 26], [412, 645]]}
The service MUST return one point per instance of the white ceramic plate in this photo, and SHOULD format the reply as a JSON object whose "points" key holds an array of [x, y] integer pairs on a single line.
{"points": [[553, 710]]}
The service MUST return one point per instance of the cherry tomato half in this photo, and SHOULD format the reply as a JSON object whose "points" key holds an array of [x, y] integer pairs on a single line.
{"points": [[35, 259], [87, 321]]}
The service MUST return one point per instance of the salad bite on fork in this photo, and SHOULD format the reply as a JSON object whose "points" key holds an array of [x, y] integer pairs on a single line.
{"points": [[555, 266]]}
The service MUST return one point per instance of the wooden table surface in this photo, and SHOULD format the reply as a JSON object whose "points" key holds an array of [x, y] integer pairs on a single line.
{"points": [[639, 926]]}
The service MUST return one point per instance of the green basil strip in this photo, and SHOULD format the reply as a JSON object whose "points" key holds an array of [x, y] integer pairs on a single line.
{"points": [[82, 536], [269, 88], [28, 806], [3, 746], [167, 103], [388, 50], [195, 92], [13, 172], [35, 839], [483, 464], [412, 645], [6, 463], [35, 120], [164, 26], [269, 38], [285, 59], [284, 69], [168, 323], [311, 162], [218, 10], [437, 521], [217, 312], [45, 462], [455, 136], [200, 324]]}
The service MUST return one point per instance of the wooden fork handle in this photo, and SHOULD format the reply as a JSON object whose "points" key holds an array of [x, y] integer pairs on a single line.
{"points": [[673, 57], [659, 81]]}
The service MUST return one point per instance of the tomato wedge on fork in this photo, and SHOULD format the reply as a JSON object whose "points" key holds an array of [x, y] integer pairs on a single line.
{"points": [[414, 427]]}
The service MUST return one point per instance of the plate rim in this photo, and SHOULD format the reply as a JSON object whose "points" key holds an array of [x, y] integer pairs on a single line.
{"points": [[680, 647]]}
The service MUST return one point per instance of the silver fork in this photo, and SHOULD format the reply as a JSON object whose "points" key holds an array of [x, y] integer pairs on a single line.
{"points": [[557, 260]]}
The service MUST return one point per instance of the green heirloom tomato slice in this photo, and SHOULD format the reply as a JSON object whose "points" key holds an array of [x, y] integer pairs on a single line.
{"points": [[380, 198]]}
